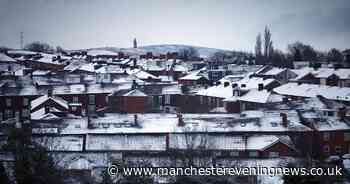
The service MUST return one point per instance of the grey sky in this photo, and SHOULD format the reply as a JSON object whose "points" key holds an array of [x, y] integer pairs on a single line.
{"points": [[228, 24]]}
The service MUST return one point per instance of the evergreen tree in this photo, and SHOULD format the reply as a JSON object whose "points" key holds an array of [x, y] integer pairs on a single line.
{"points": [[32, 163], [258, 49], [268, 47], [3, 175]]}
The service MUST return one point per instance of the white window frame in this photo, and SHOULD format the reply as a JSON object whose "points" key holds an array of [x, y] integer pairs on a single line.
{"points": [[326, 148], [253, 154], [91, 109], [74, 108], [25, 113], [92, 99], [338, 149], [8, 102], [326, 136], [25, 101], [167, 99], [346, 136], [75, 99], [234, 153], [274, 154], [8, 113]]}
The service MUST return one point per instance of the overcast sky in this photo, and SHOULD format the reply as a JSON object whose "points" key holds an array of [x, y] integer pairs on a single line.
{"points": [[227, 24]]}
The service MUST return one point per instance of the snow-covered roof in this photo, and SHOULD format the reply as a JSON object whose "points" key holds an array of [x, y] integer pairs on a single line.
{"points": [[274, 71], [110, 69], [141, 74], [253, 83], [253, 121], [136, 93], [342, 73], [40, 72], [38, 101], [126, 142], [219, 91], [42, 115], [60, 143], [194, 75], [171, 90], [5, 58], [21, 52], [101, 53], [225, 142], [312, 90], [254, 96]]}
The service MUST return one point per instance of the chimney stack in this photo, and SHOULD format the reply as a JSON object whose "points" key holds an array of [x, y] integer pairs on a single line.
{"points": [[49, 92], [181, 122], [342, 113], [136, 122], [134, 84], [235, 90], [284, 119]]}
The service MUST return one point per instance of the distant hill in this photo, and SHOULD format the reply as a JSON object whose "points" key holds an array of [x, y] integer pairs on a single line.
{"points": [[162, 49]]}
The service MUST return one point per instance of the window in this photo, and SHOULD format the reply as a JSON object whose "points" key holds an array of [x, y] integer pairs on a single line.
{"points": [[8, 113], [160, 99], [326, 148], [347, 136], [91, 99], [1, 116], [330, 113], [234, 154], [17, 115], [8, 102], [200, 99], [75, 99], [326, 136], [253, 154], [217, 153], [25, 101], [338, 149], [273, 154], [25, 113], [92, 109], [74, 108], [167, 99]]}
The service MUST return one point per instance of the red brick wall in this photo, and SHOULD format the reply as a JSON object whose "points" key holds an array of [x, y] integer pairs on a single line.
{"points": [[134, 104]]}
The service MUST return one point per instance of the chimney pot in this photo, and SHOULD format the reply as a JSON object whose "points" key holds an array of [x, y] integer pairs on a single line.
{"points": [[284, 119]]}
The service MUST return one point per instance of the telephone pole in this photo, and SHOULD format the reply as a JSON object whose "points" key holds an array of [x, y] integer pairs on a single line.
{"points": [[21, 39]]}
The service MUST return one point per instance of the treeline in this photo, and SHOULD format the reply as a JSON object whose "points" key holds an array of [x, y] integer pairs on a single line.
{"points": [[265, 53]]}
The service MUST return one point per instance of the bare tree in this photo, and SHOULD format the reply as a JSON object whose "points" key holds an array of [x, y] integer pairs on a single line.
{"points": [[39, 47], [218, 57], [189, 53], [334, 55]]}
